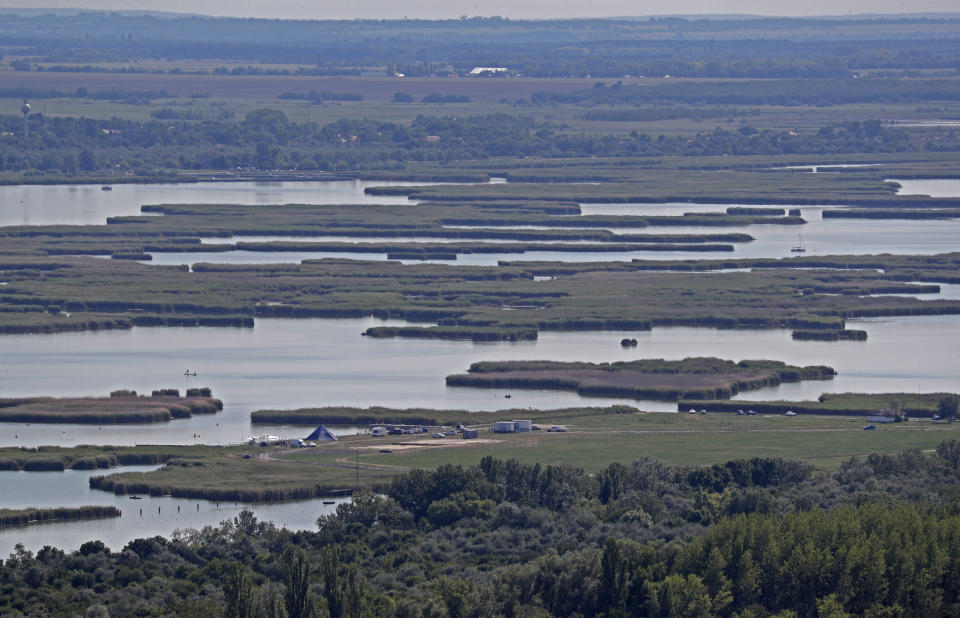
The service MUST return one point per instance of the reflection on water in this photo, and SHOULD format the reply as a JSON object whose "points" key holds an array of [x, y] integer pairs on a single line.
{"points": [[142, 518]]}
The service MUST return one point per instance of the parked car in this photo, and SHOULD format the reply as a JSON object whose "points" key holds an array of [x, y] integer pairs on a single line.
{"points": [[789, 413], [438, 435]]}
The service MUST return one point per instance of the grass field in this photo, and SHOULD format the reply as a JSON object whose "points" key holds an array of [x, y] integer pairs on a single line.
{"points": [[270, 86], [596, 441], [240, 94], [592, 442]]}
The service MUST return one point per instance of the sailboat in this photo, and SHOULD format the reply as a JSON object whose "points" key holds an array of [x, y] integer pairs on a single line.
{"points": [[800, 248]]}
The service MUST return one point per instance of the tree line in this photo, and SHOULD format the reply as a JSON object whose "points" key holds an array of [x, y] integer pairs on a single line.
{"points": [[760, 537], [265, 139]]}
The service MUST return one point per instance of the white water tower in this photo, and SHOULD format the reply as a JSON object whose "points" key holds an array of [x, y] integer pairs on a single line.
{"points": [[25, 110]]}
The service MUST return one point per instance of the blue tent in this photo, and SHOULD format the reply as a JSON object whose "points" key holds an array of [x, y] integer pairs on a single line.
{"points": [[321, 434]]}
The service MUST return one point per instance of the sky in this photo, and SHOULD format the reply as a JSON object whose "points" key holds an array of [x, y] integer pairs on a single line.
{"points": [[517, 9]]}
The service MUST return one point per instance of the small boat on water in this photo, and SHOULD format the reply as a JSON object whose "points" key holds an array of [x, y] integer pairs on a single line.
{"points": [[800, 248], [106, 188], [188, 373], [328, 502], [136, 498]]}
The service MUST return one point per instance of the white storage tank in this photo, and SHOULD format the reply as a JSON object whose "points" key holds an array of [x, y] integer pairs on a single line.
{"points": [[523, 425]]}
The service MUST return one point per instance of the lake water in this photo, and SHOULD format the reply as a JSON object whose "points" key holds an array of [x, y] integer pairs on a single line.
{"points": [[934, 187], [140, 518], [315, 362], [462, 259], [294, 363], [821, 237], [386, 239], [90, 205]]}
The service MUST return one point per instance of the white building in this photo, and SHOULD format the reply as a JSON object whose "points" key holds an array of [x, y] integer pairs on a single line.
{"points": [[478, 71]]}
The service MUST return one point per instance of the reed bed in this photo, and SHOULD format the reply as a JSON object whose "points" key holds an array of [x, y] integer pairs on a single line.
{"points": [[10, 518]]}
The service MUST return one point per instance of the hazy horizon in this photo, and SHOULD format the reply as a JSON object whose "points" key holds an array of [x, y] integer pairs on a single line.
{"points": [[529, 9]]}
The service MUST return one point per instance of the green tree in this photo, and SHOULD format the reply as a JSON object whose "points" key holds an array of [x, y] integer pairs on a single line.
{"points": [[455, 594], [87, 160], [948, 406], [830, 607], [353, 593], [330, 575], [678, 596], [267, 156], [238, 592], [270, 603], [296, 573], [269, 120]]}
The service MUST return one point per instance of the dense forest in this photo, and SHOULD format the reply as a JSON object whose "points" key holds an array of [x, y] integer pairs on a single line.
{"points": [[266, 139], [759, 537]]}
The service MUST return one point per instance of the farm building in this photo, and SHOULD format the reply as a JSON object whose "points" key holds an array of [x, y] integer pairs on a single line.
{"points": [[504, 427], [512, 426]]}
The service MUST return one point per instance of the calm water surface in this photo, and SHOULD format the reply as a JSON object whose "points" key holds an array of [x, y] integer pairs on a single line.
{"points": [[90, 205], [820, 236], [934, 187], [140, 518], [297, 363], [293, 363]]}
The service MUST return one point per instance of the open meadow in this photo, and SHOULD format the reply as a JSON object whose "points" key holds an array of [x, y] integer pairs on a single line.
{"points": [[593, 443]]}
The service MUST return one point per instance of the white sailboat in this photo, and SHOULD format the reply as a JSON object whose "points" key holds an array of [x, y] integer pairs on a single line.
{"points": [[800, 248]]}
